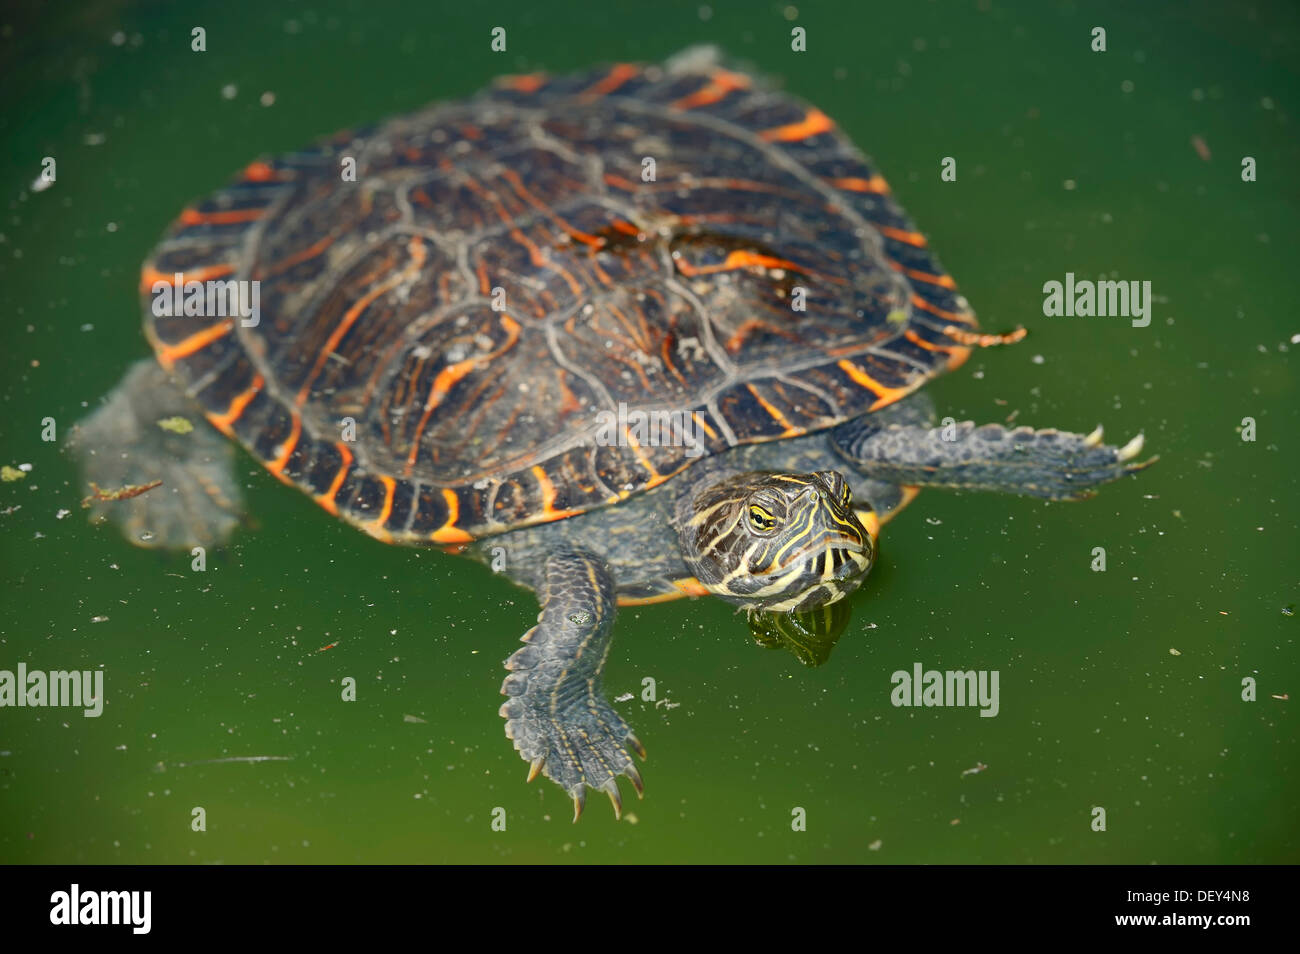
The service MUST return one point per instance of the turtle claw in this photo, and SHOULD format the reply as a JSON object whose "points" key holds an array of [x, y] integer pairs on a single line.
{"points": [[1131, 449], [610, 788], [535, 767], [579, 802], [1094, 439], [636, 745], [635, 777]]}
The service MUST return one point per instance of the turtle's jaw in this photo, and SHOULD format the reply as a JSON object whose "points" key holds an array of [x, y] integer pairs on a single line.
{"points": [[778, 542], [826, 578]]}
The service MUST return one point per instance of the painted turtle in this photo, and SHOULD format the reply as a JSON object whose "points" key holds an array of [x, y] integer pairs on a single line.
{"points": [[630, 335]]}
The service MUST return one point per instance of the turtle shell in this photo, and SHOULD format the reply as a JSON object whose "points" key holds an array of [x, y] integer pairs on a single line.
{"points": [[471, 318]]}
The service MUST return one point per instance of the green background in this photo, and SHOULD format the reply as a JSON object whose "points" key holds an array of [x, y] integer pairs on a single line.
{"points": [[1068, 160]]}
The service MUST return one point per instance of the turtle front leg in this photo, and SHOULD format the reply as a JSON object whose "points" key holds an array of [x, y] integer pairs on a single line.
{"points": [[148, 431], [557, 714], [1040, 463]]}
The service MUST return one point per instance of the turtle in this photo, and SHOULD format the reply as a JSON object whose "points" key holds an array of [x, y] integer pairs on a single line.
{"points": [[627, 335]]}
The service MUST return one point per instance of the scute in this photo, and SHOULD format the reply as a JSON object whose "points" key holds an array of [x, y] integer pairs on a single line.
{"points": [[466, 338]]}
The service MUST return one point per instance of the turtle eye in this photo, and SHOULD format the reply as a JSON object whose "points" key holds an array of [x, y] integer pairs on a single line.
{"points": [[760, 519]]}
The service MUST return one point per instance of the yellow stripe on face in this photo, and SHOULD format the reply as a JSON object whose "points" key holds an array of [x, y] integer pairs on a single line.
{"points": [[701, 517], [721, 534]]}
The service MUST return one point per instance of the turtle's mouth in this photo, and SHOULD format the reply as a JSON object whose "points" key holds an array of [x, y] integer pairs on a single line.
{"points": [[824, 576]]}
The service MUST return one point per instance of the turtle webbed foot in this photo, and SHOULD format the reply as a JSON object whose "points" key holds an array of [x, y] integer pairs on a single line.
{"points": [[585, 745], [149, 433], [556, 713]]}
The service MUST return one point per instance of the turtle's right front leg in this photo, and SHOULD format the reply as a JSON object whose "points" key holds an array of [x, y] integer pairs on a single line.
{"points": [[149, 431], [557, 714]]}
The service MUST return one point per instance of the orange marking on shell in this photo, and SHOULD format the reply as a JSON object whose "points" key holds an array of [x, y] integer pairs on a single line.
{"points": [[775, 413], [450, 533], [701, 422], [616, 77], [225, 421], [924, 305], [549, 512], [943, 281], [620, 183], [418, 254], [230, 217], [513, 178], [957, 355], [447, 379], [876, 184], [263, 172], [169, 354], [721, 82], [150, 276], [917, 340], [376, 527], [535, 254], [309, 252], [915, 239], [735, 260], [286, 449], [326, 499], [813, 124], [887, 395], [524, 83]]}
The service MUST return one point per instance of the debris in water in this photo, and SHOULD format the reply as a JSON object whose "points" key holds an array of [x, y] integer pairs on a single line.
{"points": [[330, 646], [1283, 697], [1174, 652], [411, 718], [974, 770], [624, 697], [122, 493], [162, 766], [99, 619], [1201, 148], [875, 845], [10, 474]]}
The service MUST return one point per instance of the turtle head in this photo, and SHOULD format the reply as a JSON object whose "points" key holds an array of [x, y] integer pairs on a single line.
{"points": [[776, 542]]}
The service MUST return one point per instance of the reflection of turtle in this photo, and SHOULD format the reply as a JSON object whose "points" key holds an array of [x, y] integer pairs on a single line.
{"points": [[635, 334], [809, 636]]}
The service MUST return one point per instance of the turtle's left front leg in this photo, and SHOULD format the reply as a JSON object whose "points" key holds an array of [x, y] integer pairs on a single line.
{"points": [[1040, 463], [557, 714]]}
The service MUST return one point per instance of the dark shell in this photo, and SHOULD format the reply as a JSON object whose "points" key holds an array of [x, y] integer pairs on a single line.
{"points": [[500, 278]]}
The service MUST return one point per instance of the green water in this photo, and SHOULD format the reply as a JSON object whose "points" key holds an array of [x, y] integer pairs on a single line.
{"points": [[1068, 161]]}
